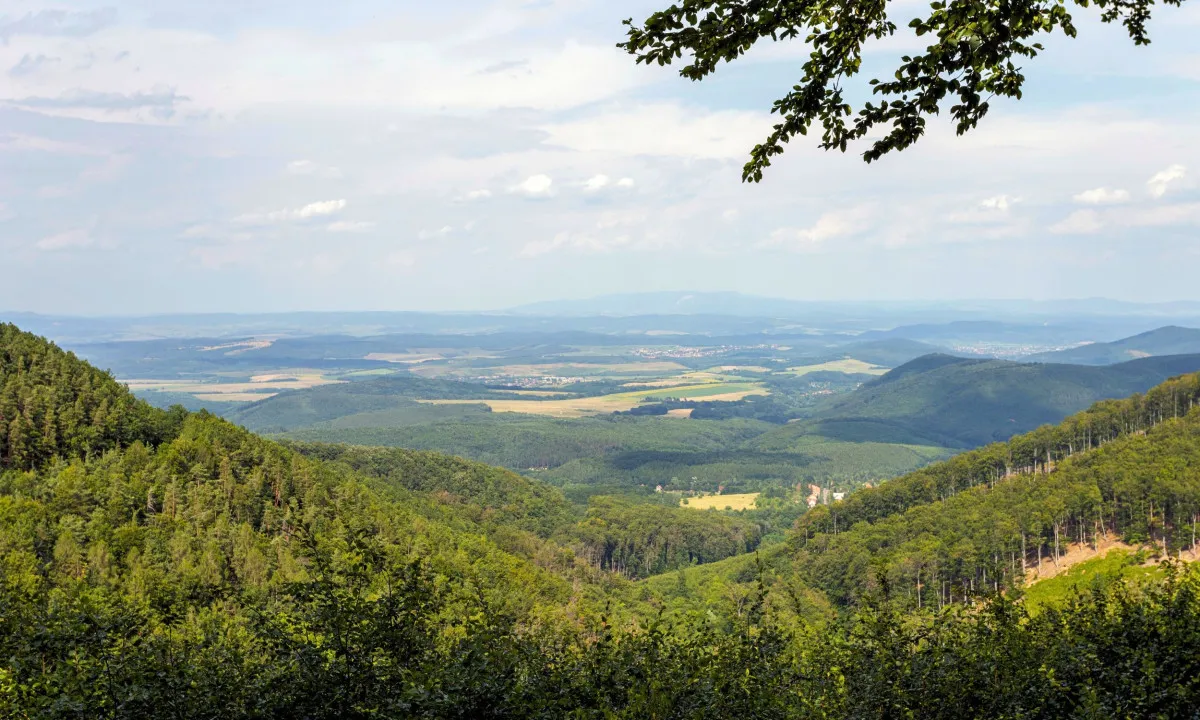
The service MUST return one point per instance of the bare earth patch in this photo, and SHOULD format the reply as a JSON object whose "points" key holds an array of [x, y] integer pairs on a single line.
{"points": [[1076, 553]]}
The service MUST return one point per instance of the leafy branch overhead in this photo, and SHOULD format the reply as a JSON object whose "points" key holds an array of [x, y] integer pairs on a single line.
{"points": [[975, 54]]}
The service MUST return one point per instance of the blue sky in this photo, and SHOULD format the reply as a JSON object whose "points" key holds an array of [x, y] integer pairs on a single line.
{"points": [[261, 155]]}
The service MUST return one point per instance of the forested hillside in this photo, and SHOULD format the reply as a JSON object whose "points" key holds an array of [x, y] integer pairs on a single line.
{"points": [[964, 403], [321, 404], [173, 565], [983, 520], [52, 404], [1169, 340]]}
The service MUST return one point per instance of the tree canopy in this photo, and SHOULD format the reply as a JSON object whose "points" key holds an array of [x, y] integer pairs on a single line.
{"points": [[977, 53]]}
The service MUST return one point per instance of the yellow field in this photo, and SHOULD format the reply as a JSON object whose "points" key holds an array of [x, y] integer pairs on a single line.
{"points": [[848, 365], [696, 377], [232, 397], [260, 387], [680, 412], [742, 501], [604, 404]]}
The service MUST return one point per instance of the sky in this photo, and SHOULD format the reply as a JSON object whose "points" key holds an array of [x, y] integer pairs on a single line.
{"points": [[271, 155]]}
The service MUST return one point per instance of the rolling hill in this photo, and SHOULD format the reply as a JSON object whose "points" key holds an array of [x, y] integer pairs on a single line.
{"points": [[1002, 514], [963, 403], [1169, 340], [164, 564]]}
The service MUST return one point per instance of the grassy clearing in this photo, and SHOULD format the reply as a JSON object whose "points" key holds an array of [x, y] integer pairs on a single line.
{"points": [[405, 358], [742, 501], [232, 397], [604, 404], [260, 387], [708, 391], [698, 377], [847, 365], [377, 372], [614, 370], [1116, 564]]}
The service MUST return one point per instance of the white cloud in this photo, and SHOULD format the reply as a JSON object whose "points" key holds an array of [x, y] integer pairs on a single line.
{"points": [[1102, 196], [993, 211], [730, 215], [481, 194], [373, 66], [1086, 222], [1080, 222], [596, 182], [535, 186], [830, 225], [999, 202], [317, 209], [17, 142], [440, 232], [350, 226], [664, 130], [79, 238], [322, 208], [1158, 185]]}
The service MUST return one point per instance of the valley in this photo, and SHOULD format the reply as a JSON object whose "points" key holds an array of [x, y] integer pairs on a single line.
{"points": [[560, 360], [160, 511]]}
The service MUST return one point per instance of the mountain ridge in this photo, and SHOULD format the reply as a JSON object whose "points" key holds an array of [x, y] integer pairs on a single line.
{"points": [[1166, 340]]}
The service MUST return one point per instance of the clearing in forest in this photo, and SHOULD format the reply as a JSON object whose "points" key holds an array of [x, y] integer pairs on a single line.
{"points": [[604, 404], [846, 365], [260, 387], [738, 501]]}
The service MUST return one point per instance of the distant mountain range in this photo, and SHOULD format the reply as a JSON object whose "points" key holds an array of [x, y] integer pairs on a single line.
{"points": [[736, 303], [961, 402], [1170, 340], [698, 313]]}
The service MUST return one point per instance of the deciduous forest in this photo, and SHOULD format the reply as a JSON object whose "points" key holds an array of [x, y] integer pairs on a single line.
{"points": [[160, 563]]}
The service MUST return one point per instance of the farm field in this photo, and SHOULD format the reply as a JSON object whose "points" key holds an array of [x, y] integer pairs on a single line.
{"points": [[613, 370], [615, 402], [259, 387], [847, 365], [739, 501], [699, 377]]}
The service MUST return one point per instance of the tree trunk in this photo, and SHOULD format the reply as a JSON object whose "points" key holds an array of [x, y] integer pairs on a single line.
{"points": [[1056, 544]]}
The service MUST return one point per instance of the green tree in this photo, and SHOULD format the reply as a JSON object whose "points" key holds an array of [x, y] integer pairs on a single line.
{"points": [[977, 51]]}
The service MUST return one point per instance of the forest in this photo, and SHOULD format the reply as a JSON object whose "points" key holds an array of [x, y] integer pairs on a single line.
{"points": [[160, 563]]}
